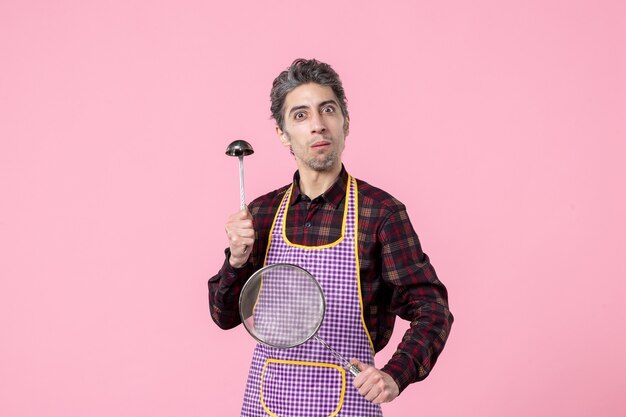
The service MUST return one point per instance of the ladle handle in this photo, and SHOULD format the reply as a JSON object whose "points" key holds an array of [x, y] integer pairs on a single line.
{"points": [[242, 197], [346, 364]]}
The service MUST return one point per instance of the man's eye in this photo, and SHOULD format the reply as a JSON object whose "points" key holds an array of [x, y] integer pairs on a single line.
{"points": [[299, 115], [328, 109]]}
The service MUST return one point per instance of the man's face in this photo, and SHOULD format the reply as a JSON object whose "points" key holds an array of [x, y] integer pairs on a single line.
{"points": [[314, 127]]}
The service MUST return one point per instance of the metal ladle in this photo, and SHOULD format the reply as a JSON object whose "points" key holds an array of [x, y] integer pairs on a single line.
{"points": [[240, 148]]}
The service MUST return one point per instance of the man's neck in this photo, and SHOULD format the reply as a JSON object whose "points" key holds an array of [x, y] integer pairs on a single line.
{"points": [[315, 183]]}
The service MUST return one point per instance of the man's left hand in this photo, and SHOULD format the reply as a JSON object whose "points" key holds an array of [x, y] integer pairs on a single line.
{"points": [[375, 385]]}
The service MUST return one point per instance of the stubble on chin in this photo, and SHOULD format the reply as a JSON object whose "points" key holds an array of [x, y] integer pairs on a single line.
{"points": [[324, 164]]}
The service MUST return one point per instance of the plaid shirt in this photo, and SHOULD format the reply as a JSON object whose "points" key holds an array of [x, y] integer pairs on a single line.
{"points": [[397, 278]]}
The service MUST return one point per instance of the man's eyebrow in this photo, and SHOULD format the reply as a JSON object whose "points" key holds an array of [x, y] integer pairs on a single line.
{"points": [[294, 109], [322, 104]]}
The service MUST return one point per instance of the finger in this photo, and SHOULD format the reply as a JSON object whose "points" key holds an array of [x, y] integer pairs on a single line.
{"points": [[383, 393], [246, 232], [370, 389], [240, 238], [237, 238], [242, 245], [359, 378], [383, 397], [362, 366], [239, 229], [244, 213], [234, 224], [240, 215], [373, 394], [364, 381]]}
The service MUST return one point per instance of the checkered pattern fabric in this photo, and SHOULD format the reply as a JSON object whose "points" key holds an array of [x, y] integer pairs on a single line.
{"points": [[306, 381]]}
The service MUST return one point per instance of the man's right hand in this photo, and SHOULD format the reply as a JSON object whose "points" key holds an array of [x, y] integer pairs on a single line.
{"points": [[240, 232]]}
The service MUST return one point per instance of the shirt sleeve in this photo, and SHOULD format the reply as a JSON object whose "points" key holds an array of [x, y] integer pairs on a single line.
{"points": [[224, 290], [417, 296]]}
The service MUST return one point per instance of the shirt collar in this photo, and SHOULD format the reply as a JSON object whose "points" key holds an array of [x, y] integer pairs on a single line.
{"points": [[333, 196]]}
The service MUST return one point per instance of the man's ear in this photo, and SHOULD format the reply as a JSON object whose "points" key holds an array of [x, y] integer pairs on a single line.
{"points": [[283, 136], [346, 126]]}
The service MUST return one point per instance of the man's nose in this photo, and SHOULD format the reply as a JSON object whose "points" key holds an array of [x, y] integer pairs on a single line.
{"points": [[317, 123]]}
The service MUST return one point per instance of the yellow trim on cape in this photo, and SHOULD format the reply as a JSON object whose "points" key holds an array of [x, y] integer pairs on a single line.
{"points": [[269, 237], [343, 222], [358, 263]]}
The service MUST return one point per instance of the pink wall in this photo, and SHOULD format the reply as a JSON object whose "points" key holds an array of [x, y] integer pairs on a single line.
{"points": [[500, 126]]}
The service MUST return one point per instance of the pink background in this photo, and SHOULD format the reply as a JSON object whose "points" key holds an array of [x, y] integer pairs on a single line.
{"points": [[501, 126]]}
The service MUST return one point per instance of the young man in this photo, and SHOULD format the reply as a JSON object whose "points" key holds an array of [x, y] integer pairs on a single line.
{"points": [[324, 215]]}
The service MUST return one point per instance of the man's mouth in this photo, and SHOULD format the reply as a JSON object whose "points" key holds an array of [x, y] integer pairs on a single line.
{"points": [[320, 144]]}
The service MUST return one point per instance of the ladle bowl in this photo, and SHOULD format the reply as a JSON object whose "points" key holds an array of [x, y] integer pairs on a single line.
{"points": [[239, 148]]}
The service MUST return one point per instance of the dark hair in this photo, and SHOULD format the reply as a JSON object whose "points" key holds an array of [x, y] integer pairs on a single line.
{"points": [[304, 71]]}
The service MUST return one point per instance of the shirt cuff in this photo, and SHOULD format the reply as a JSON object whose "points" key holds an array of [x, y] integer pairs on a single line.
{"points": [[402, 369], [230, 275]]}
